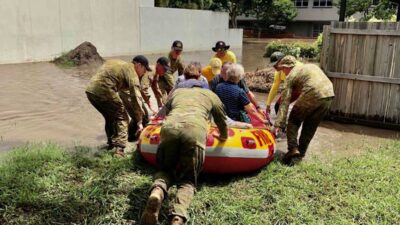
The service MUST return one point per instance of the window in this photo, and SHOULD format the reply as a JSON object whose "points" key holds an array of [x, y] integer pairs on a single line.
{"points": [[300, 3], [317, 29], [322, 3]]}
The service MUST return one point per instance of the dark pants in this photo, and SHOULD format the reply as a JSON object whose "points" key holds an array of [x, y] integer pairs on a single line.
{"points": [[309, 117], [116, 118], [180, 158]]}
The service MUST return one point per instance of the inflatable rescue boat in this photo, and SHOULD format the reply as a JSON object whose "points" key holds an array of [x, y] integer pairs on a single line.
{"points": [[245, 150]]}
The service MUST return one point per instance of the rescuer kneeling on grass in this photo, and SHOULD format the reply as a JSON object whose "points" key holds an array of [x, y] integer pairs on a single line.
{"points": [[316, 95]]}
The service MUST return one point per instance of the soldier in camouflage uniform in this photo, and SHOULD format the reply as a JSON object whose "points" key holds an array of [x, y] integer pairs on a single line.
{"points": [[115, 76], [175, 57], [310, 108], [145, 80], [183, 139], [163, 81]]}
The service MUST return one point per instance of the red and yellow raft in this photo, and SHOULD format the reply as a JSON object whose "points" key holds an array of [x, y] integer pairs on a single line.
{"points": [[245, 150]]}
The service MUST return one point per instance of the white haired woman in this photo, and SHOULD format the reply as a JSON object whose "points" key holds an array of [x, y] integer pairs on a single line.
{"points": [[234, 98]]}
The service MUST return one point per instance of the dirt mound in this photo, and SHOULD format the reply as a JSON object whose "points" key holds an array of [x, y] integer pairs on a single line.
{"points": [[85, 54], [260, 80]]}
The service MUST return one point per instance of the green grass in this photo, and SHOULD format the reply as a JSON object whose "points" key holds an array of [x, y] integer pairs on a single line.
{"points": [[45, 184], [63, 61]]}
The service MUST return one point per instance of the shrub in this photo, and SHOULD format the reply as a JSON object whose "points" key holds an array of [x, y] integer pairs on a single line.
{"points": [[297, 49], [318, 45]]}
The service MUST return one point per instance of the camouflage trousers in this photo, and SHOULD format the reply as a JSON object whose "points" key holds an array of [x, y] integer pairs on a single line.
{"points": [[309, 116], [161, 88], [180, 157], [132, 128], [116, 118]]}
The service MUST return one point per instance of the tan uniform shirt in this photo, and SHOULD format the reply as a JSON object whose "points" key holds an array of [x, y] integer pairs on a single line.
{"points": [[313, 84], [176, 64], [193, 106], [117, 76], [145, 83]]}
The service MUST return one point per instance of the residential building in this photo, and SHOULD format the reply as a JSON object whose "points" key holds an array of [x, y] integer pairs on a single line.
{"points": [[311, 16]]}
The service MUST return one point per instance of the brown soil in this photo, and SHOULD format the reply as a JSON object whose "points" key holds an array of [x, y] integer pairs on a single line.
{"points": [[85, 54], [260, 80]]}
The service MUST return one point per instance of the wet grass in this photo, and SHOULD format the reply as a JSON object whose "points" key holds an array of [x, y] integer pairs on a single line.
{"points": [[45, 184]]}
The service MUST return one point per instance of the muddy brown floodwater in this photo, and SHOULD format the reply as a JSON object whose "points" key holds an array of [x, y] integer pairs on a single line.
{"points": [[42, 103]]}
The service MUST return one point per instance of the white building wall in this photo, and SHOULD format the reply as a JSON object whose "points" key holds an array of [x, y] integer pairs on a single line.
{"points": [[317, 14], [197, 29], [312, 13], [42, 29]]}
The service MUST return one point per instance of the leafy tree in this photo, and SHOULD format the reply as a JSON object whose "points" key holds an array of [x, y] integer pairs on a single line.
{"points": [[385, 10], [162, 3], [187, 4], [279, 13], [380, 9], [233, 7]]}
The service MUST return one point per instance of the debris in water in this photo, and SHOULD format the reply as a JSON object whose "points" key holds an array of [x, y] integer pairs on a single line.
{"points": [[85, 54]]}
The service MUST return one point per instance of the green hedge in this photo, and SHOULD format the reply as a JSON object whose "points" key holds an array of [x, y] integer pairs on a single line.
{"points": [[297, 49]]}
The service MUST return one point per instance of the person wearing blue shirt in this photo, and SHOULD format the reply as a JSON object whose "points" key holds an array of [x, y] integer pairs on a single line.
{"points": [[234, 98]]}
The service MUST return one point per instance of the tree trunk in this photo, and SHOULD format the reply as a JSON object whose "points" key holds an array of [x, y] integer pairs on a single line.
{"points": [[342, 14], [398, 11], [234, 22]]}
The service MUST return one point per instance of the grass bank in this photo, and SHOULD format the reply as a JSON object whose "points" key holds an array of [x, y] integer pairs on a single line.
{"points": [[44, 184]]}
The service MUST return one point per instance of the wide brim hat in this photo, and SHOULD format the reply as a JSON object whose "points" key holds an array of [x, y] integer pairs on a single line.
{"points": [[220, 45]]}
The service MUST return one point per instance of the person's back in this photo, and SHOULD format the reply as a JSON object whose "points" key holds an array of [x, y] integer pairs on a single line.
{"points": [[311, 80], [113, 76], [233, 98], [193, 106], [183, 141], [218, 79]]}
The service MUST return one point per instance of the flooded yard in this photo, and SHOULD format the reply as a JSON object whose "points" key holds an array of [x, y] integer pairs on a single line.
{"points": [[42, 103]]}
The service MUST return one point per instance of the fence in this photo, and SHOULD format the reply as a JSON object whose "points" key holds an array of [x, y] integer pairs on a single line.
{"points": [[363, 62]]}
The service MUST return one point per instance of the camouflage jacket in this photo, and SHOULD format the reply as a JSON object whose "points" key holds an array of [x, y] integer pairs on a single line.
{"points": [[176, 64], [313, 84], [116, 76], [193, 106], [146, 82]]}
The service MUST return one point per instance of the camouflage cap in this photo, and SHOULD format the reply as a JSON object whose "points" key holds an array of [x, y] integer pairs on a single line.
{"points": [[287, 61]]}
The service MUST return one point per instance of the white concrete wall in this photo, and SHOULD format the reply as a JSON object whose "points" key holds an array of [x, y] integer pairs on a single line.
{"points": [[197, 29], [42, 29], [39, 30]]}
